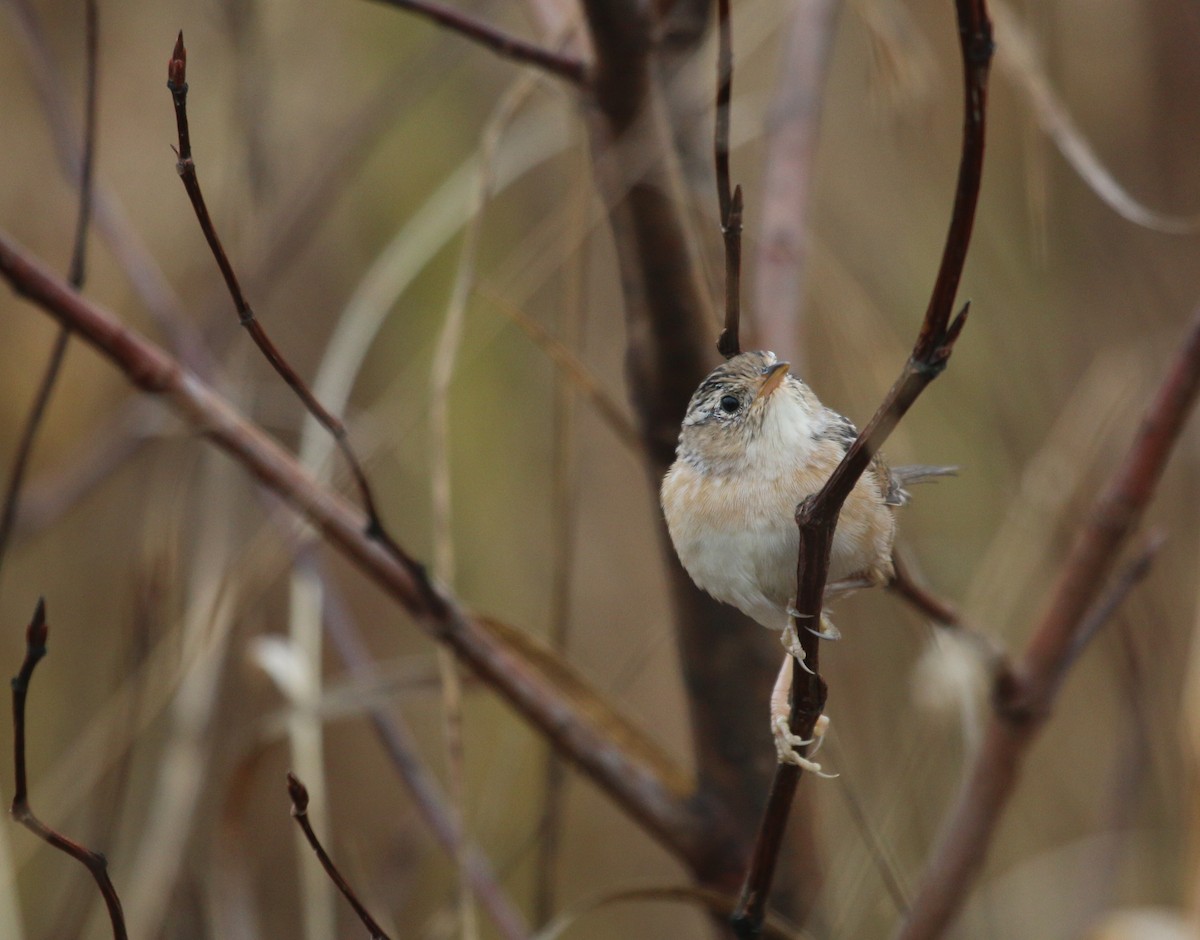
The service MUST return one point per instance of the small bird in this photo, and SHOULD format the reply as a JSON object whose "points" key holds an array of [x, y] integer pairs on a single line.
{"points": [[755, 442]]}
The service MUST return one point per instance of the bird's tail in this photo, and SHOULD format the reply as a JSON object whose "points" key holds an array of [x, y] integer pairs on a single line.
{"points": [[903, 477]]}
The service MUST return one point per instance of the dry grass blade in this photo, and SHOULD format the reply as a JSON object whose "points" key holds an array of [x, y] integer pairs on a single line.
{"points": [[445, 360], [1019, 59]]}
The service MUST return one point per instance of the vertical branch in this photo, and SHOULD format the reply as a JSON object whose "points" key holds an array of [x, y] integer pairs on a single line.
{"points": [[816, 517], [96, 863], [729, 203], [76, 275]]}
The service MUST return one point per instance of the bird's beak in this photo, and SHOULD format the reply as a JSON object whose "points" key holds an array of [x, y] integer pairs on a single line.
{"points": [[772, 379]]}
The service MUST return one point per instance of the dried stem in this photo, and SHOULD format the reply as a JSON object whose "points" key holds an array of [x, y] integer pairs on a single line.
{"points": [[729, 203], [177, 83], [76, 276], [817, 516], [299, 797], [1023, 695], [511, 47], [95, 862]]}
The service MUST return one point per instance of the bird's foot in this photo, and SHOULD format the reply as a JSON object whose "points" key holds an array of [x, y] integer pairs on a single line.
{"points": [[790, 641], [788, 745], [827, 630]]}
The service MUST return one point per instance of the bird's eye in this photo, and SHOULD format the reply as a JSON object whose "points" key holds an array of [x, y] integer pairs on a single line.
{"points": [[730, 404]]}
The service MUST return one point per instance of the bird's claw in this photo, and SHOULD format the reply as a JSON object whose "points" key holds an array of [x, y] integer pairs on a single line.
{"points": [[787, 745], [790, 641], [827, 630]]}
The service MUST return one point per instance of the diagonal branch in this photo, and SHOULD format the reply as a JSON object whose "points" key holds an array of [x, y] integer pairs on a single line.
{"points": [[177, 83], [298, 794], [96, 863], [511, 47], [621, 760], [817, 516], [1023, 696]]}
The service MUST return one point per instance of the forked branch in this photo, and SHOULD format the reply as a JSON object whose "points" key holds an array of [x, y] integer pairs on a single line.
{"points": [[817, 516], [96, 863]]}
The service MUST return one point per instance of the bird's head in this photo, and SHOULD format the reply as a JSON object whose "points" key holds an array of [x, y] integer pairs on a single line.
{"points": [[749, 411]]}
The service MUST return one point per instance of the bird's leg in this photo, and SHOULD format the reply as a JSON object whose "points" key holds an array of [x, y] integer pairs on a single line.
{"points": [[787, 745]]}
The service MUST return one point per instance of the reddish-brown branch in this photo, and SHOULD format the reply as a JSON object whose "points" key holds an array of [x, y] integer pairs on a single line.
{"points": [[76, 276], [577, 722], [1024, 695], [177, 83], [511, 47], [817, 516], [95, 862], [298, 793]]}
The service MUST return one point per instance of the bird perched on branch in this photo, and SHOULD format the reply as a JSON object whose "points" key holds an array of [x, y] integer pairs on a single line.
{"points": [[755, 442]]}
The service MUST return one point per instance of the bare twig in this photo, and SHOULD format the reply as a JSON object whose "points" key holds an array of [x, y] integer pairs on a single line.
{"points": [[177, 83], [1023, 695], [817, 516], [729, 203], [511, 47], [613, 753], [299, 797], [95, 862], [77, 274]]}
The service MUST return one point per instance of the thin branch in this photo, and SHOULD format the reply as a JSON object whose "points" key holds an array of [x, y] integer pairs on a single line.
{"points": [[511, 47], [76, 275], [177, 83], [95, 862], [299, 797], [630, 768], [817, 516], [1023, 696], [729, 203]]}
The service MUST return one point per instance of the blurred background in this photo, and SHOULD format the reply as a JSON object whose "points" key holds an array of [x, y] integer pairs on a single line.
{"points": [[344, 148]]}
